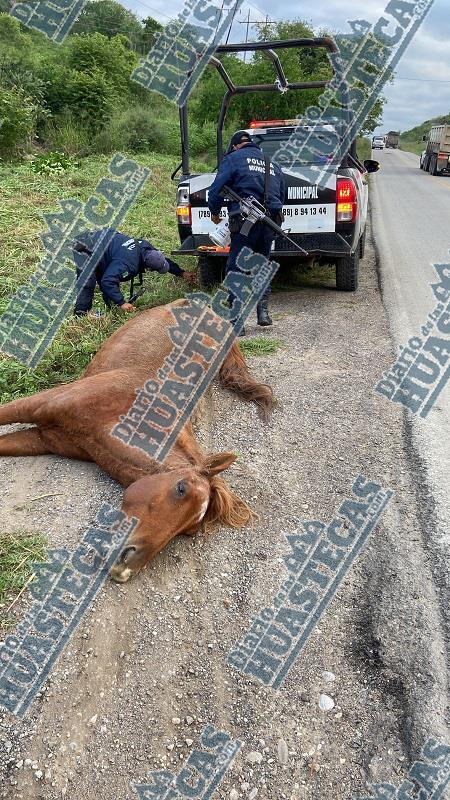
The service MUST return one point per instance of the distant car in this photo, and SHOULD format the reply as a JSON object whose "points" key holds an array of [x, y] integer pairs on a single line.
{"points": [[377, 143], [422, 158]]}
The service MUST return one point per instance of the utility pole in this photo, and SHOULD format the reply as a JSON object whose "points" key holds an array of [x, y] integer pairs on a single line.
{"points": [[249, 22], [246, 34]]}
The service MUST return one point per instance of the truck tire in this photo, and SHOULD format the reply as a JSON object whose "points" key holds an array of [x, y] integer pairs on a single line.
{"points": [[347, 269], [211, 271], [436, 171], [433, 166]]}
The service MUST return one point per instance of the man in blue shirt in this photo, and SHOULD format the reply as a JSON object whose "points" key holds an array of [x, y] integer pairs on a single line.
{"points": [[123, 259], [244, 170]]}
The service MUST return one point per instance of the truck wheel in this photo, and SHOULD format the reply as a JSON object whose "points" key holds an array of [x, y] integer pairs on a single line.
{"points": [[347, 269], [211, 271], [433, 166], [362, 244]]}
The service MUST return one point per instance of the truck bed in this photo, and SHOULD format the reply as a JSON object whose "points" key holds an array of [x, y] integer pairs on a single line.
{"points": [[440, 139]]}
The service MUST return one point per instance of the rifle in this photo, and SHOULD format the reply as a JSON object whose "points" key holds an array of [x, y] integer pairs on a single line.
{"points": [[254, 212]]}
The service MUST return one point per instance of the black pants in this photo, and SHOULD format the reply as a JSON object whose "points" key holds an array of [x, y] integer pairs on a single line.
{"points": [[259, 239], [86, 295]]}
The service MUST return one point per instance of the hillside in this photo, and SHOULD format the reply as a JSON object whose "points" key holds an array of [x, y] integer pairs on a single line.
{"points": [[413, 140]]}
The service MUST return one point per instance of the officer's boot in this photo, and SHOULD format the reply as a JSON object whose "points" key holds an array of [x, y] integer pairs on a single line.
{"points": [[262, 310]]}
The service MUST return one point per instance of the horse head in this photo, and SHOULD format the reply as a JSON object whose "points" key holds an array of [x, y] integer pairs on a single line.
{"points": [[173, 502]]}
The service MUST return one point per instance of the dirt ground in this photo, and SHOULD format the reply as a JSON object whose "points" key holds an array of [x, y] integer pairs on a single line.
{"points": [[146, 669]]}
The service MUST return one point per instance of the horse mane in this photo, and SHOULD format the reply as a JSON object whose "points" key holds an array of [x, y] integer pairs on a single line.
{"points": [[226, 507]]}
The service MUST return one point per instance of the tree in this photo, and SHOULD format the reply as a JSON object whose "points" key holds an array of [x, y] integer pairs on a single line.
{"points": [[299, 64], [151, 29], [110, 19]]}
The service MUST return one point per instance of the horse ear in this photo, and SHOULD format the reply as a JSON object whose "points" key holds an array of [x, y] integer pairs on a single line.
{"points": [[218, 462]]}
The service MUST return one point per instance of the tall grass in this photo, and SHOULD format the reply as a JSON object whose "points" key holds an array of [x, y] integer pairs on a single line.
{"points": [[24, 196], [18, 552]]}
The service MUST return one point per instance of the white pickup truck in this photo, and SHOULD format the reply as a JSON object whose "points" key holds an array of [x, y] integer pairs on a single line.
{"points": [[327, 218]]}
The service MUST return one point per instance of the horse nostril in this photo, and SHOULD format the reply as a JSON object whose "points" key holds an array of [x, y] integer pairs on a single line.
{"points": [[126, 553]]}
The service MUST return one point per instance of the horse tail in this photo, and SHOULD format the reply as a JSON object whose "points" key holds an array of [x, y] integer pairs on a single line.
{"points": [[235, 375]]}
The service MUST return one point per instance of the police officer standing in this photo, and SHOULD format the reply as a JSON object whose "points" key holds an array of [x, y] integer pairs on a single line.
{"points": [[245, 170]]}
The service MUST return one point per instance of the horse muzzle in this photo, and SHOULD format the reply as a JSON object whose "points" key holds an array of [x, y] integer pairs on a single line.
{"points": [[125, 568]]}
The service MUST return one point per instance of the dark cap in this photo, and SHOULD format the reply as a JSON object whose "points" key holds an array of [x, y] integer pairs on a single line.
{"points": [[239, 138]]}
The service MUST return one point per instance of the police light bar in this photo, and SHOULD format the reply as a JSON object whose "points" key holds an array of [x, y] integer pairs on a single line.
{"points": [[274, 123]]}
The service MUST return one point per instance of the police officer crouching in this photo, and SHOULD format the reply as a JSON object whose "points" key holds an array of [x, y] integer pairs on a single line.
{"points": [[123, 259], [245, 170]]}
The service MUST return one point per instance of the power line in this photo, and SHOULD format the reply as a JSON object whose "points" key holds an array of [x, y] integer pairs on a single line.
{"points": [[232, 20], [157, 11], [423, 80]]}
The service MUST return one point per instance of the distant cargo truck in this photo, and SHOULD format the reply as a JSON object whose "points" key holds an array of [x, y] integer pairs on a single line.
{"points": [[392, 139], [436, 158]]}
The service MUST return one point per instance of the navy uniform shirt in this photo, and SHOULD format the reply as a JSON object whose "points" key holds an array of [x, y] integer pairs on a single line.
{"points": [[121, 261], [244, 170]]}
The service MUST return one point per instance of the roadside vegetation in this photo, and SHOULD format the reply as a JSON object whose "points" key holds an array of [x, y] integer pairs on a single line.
{"points": [[24, 196], [78, 98], [18, 552], [67, 108], [412, 140], [260, 346], [364, 148]]}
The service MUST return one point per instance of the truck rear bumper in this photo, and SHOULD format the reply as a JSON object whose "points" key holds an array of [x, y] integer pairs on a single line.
{"points": [[333, 245]]}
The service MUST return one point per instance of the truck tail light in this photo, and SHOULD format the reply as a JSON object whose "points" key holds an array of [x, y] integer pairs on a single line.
{"points": [[184, 216], [347, 201]]}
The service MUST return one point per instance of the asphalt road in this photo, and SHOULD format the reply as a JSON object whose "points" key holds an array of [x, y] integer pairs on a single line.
{"points": [[411, 213]]}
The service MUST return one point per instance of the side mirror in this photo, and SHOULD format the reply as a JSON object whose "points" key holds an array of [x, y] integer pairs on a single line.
{"points": [[372, 166]]}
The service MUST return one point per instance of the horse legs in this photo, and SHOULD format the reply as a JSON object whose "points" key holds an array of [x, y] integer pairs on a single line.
{"points": [[23, 443], [23, 410]]}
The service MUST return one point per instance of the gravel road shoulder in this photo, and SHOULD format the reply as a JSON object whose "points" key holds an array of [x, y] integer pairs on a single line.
{"points": [[146, 669]]}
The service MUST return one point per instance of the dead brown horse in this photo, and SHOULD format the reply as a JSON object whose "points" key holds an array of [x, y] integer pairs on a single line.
{"points": [[75, 420]]}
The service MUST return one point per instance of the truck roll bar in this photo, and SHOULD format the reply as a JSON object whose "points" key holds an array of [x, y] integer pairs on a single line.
{"points": [[280, 83]]}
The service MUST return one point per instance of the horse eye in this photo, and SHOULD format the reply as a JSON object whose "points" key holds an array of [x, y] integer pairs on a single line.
{"points": [[181, 488]]}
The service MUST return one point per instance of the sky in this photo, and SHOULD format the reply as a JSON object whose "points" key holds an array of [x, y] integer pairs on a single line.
{"points": [[421, 89]]}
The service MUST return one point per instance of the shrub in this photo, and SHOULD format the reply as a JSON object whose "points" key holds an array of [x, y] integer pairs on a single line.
{"points": [[135, 129], [52, 163], [17, 116], [90, 98], [68, 134], [95, 54]]}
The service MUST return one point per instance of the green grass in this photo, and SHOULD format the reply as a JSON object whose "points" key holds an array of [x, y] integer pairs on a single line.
{"points": [[18, 551], [412, 140], [24, 196], [260, 346], [412, 147]]}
